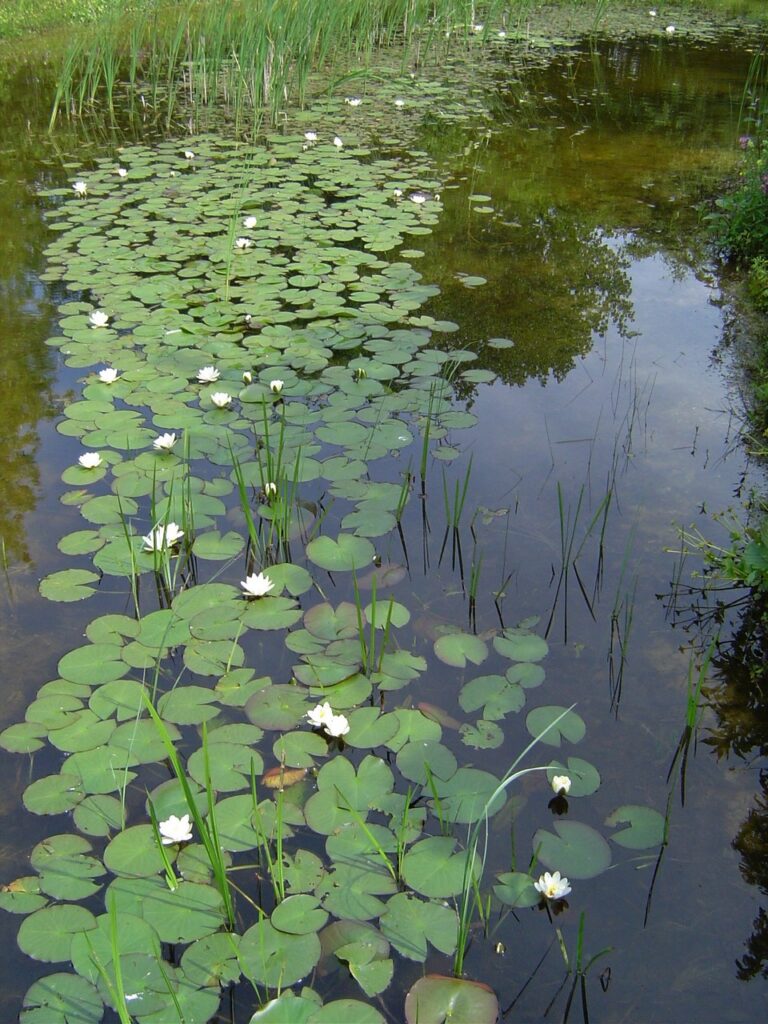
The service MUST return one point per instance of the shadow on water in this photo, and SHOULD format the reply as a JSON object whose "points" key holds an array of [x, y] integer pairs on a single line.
{"points": [[606, 426]]}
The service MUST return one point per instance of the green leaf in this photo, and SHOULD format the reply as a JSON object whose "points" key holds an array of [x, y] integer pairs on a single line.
{"points": [[570, 727], [410, 923], [69, 585], [467, 796], [435, 999], [516, 889], [577, 850], [418, 760], [47, 934], [299, 915], [434, 868], [646, 826], [62, 999], [585, 778], [457, 649], [345, 553], [276, 959], [520, 645]]}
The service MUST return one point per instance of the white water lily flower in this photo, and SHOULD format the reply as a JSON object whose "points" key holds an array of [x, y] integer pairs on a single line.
{"points": [[108, 375], [247, 377], [651, 14], [353, 101], [249, 222], [399, 102], [163, 536], [310, 136], [337, 142], [221, 399], [418, 197], [90, 460], [561, 784], [479, 27], [337, 726], [175, 830], [553, 887], [670, 30], [80, 188], [320, 715], [270, 488], [121, 171], [243, 243], [208, 375], [98, 318], [397, 193], [189, 154], [256, 585], [502, 34], [276, 386], [164, 443]]}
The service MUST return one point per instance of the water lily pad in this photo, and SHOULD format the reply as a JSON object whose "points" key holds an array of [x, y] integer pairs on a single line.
{"points": [[468, 795], [299, 915], [457, 649], [69, 585], [421, 760], [134, 853], [496, 695], [62, 998], [437, 998], [368, 728], [277, 707], [47, 934], [410, 924], [345, 553], [646, 826], [22, 895], [188, 912], [212, 961], [435, 868], [516, 889], [552, 724], [577, 850], [585, 778], [520, 645], [276, 959]]}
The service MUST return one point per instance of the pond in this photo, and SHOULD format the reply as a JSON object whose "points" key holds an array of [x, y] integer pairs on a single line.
{"points": [[451, 369]]}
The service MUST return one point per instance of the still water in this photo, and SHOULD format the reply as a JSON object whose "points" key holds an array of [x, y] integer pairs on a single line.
{"points": [[614, 416]]}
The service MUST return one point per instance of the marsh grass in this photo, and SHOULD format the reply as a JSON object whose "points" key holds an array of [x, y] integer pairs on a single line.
{"points": [[251, 57]]}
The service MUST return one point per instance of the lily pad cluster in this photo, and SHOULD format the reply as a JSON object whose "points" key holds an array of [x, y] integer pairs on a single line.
{"points": [[298, 483]]}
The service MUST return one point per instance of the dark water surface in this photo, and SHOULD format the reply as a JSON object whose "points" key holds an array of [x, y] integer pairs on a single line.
{"points": [[619, 382]]}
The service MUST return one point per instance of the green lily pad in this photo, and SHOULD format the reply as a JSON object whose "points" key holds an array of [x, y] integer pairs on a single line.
{"points": [[345, 553], [299, 915], [646, 826], [437, 998], [69, 585], [277, 959], [552, 724], [434, 867], [47, 934], [62, 998], [410, 924], [457, 649], [577, 850], [585, 778], [520, 645], [516, 889], [212, 961]]}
